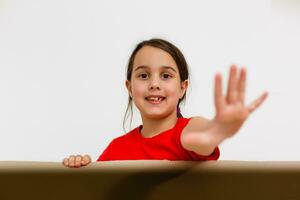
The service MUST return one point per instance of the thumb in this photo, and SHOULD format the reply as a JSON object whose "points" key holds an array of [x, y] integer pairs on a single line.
{"points": [[86, 160]]}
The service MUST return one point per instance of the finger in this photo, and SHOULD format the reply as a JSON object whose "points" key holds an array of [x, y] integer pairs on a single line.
{"points": [[72, 161], [255, 104], [66, 162], [86, 160], [232, 85], [218, 92], [78, 161], [242, 85]]}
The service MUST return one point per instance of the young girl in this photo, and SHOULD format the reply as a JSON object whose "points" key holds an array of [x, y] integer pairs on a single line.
{"points": [[157, 81]]}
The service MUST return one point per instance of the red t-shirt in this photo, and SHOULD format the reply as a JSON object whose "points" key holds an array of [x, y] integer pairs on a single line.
{"points": [[164, 146]]}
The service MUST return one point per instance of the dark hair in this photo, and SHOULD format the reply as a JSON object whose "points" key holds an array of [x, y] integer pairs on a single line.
{"points": [[176, 55]]}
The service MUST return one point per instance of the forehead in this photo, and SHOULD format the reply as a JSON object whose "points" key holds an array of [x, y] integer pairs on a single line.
{"points": [[154, 58]]}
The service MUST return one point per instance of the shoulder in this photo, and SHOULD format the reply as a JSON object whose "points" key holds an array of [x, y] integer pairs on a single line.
{"points": [[129, 135]]}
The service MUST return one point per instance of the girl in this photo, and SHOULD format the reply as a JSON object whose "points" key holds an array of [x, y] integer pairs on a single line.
{"points": [[157, 80]]}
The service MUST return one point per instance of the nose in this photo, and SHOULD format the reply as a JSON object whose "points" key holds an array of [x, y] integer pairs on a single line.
{"points": [[154, 84]]}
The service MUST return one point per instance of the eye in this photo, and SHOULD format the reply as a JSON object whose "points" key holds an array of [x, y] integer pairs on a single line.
{"points": [[166, 75], [143, 75]]}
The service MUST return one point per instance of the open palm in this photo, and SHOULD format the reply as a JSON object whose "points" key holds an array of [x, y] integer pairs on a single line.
{"points": [[231, 111]]}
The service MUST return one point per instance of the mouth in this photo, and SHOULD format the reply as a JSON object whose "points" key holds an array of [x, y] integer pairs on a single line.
{"points": [[155, 100]]}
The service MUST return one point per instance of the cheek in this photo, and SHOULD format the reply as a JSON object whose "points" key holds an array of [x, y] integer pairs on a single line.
{"points": [[138, 89], [173, 92]]}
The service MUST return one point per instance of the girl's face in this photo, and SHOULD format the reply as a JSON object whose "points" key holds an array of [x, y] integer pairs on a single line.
{"points": [[155, 73]]}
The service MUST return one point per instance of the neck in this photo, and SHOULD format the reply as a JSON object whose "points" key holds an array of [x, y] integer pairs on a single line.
{"points": [[152, 127]]}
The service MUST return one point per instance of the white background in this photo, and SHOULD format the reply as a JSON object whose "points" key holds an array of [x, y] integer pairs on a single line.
{"points": [[62, 71]]}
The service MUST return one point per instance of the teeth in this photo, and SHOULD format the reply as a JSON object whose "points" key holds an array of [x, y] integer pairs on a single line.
{"points": [[155, 99]]}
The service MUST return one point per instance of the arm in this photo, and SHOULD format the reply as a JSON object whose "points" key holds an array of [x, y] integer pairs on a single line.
{"points": [[203, 135]]}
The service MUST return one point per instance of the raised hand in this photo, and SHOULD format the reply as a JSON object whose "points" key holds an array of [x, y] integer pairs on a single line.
{"points": [[77, 161], [231, 111]]}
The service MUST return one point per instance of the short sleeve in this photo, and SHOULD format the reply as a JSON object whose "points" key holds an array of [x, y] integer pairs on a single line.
{"points": [[213, 156], [191, 155], [106, 154]]}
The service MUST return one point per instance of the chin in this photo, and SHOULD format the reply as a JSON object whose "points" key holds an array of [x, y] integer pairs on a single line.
{"points": [[156, 115], [153, 114]]}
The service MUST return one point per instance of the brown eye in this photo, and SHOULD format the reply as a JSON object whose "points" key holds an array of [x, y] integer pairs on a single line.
{"points": [[143, 76], [166, 75]]}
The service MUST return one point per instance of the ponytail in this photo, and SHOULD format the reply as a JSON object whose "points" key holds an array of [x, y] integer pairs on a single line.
{"points": [[178, 112]]}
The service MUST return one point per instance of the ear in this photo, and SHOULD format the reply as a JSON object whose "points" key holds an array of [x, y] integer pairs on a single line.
{"points": [[183, 87], [128, 86]]}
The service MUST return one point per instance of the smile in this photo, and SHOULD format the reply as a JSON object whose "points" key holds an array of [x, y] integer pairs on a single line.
{"points": [[156, 100]]}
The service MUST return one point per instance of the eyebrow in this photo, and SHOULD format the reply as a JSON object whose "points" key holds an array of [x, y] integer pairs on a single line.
{"points": [[163, 66]]}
